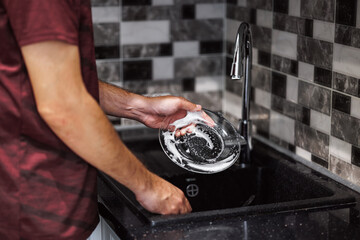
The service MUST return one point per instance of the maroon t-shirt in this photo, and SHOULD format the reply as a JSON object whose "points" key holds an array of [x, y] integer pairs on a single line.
{"points": [[46, 191]]}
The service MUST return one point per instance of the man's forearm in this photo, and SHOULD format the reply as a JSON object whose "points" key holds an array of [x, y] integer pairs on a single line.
{"points": [[118, 102]]}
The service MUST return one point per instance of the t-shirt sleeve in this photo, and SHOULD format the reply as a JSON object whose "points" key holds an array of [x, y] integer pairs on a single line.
{"points": [[43, 20]]}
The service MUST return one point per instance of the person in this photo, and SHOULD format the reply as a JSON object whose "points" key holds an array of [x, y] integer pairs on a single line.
{"points": [[54, 133]]}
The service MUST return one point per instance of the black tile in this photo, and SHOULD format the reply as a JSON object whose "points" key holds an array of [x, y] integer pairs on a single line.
{"points": [[323, 76], [309, 25], [104, 52], [188, 11], [343, 34], [188, 84], [253, 16], [136, 2], [318, 9], [264, 58], [231, 1], [292, 148], [277, 104], [281, 6], [252, 94], [229, 61], [316, 52], [211, 47], [355, 156], [137, 70], [319, 161], [305, 116], [294, 66], [285, 65], [341, 102], [278, 84], [346, 12], [166, 49], [346, 84]]}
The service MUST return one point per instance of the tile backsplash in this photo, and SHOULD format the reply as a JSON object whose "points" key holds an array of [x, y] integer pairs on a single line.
{"points": [[306, 65]]}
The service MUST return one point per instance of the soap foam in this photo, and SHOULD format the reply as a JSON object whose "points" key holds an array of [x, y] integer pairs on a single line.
{"points": [[202, 149]]}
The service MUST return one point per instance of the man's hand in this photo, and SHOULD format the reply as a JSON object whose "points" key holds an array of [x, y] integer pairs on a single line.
{"points": [[163, 198]]}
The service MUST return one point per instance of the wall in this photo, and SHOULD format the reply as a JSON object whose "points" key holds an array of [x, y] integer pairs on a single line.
{"points": [[162, 46], [305, 89], [306, 72]]}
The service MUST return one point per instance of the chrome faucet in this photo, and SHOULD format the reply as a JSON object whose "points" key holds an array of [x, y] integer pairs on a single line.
{"points": [[241, 67]]}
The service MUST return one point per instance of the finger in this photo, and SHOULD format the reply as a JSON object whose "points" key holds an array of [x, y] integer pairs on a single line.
{"points": [[208, 119], [188, 206]]}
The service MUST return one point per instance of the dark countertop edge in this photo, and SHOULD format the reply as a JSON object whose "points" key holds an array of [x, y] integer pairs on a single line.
{"points": [[309, 164]]}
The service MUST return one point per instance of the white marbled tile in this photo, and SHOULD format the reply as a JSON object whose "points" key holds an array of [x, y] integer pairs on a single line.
{"points": [[340, 149], [292, 86], [294, 8], [324, 30], [207, 11], [303, 153], [346, 60], [241, 3], [232, 104], [282, 127], [208, 84], [162, 2], [306, 71], [186, 49], [355, 107], [105, 14], [231, 29], [320, 121], [263, 98], [163, 68], [144, 32], [284, 44], [264, 18], [255, 57]]}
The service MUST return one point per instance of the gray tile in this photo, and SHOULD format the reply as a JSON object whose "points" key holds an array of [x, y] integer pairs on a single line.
{"points": [[314, 97], [109, 71], [164, 86], [289, 23], [105, 2], [146, 50], [318, 9], [203, 66], [141, 13], [346, 84], [234, 86], [261, 78], [139, 87], [238, 13], [260, 118], [345, 170], [261, 4], [345, 127], [317, 52], [187, 30], [261, 38], [106, 34], [311, 140], [208, 100]]}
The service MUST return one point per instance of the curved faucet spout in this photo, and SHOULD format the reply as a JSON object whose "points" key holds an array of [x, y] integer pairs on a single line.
{"points": [[241, 67]]}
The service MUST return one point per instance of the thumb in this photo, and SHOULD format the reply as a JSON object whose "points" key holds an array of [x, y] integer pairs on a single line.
{"points": [[189, 106]]}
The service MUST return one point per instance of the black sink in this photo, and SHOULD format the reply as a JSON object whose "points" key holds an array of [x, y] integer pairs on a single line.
{"points": [[272, 184]]}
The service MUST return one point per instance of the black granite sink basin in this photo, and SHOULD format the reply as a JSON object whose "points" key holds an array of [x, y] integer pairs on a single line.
{"points": [[272, 184]]}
